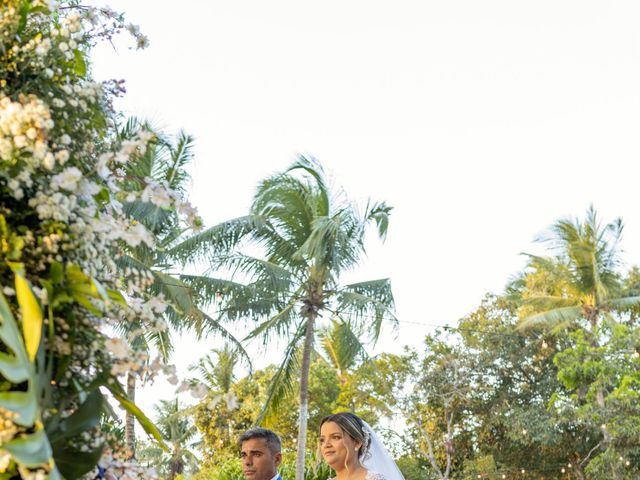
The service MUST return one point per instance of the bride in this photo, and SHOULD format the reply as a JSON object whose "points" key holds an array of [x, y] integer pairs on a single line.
{"points": [[354, 451]]}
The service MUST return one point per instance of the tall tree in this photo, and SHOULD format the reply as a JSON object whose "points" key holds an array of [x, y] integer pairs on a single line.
{"points": [[164, 162], [342, 348], [581, 282], [306, 238], [581, 288], [216, 370], [178, 432]]}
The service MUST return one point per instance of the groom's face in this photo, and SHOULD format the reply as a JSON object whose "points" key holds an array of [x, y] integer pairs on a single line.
{"points": [[258, 461]]}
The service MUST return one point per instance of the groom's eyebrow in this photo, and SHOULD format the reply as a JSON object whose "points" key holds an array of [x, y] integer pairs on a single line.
{"points": [[251, 452]]}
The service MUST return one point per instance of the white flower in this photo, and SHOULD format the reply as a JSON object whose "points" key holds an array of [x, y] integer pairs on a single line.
{"points": [[63, 47], [62, 156], [67, 179], [157, 304], [49, 161], [199, 391], [184, 386], [65, 139], [103, 165], [136, 234], [232, 400], [117, 347], [32, 133], [157, 195], [88, 188], [20, 141], [5, 459]]}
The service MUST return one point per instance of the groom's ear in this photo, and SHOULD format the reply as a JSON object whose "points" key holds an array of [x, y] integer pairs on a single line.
{"points": [[277, 458]]}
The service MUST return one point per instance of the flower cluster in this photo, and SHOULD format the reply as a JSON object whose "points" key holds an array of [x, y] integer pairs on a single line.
{"points": [[66, 222]]}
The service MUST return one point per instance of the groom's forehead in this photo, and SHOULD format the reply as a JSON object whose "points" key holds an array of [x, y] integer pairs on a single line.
{"points": [[254, 445]]}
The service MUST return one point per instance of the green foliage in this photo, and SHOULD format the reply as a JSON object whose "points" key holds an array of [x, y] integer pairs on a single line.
{"points": [[221, 425], [231, 469]]}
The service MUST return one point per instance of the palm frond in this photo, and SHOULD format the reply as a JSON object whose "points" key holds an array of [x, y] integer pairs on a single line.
{"points": [[217, 240], [547, 302], [207, 324], [210, 289], [372, 301], [180, 155], [380, 213], [218, 373], [277, 325], [283, 381], [176, 292], [269, 275], [341, 345], [551, 317], [623, 303], [314, 168]]}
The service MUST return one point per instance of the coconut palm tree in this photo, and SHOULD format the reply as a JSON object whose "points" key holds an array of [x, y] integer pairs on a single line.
{"points": [[342, 348], [216, 370], [581, 285], [581, 282], [164, 161], [307, 238], [178, 432]]}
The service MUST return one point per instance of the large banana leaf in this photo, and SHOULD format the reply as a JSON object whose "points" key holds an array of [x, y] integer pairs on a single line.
{"points": [[34, 449]]}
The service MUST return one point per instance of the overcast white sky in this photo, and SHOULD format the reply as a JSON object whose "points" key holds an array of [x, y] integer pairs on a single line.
{"points": [[481, 122]]}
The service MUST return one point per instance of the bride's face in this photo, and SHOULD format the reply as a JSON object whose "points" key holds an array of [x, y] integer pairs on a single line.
{"points": [[338, 448]]}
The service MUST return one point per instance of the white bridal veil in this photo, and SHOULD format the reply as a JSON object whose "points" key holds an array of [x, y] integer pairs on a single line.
{"points": [[378, 459]]}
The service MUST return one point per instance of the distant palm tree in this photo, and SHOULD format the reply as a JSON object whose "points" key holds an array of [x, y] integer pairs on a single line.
{"points": [[164, 161], [581, 282], [177, 431], [342, 347], [306, 238], [216, 370]]}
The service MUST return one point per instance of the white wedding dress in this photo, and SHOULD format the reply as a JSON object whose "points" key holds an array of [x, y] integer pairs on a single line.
{"points": [[370, 476]]}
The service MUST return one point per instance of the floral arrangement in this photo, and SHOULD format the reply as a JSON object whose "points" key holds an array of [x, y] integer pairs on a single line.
{"points": [[64, 226]]}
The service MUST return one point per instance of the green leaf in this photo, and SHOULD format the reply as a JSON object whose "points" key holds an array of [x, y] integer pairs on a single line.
{"points": [[74, 464], [102, 196], [101, 291], [56, 272], [31, 312], [9, 332], [84, 301], [24, 404], [86, 417], [31, 450], [24, 11], [134, 410], [117, 297], [80, 67], [12, 369]]}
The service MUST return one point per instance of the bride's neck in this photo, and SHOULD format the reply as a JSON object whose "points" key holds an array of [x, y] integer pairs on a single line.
{"points": [[353, 472]]}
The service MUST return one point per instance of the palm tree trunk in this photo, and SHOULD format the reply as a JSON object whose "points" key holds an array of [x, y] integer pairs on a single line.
{"points": [[129, 433], [304, 391]]}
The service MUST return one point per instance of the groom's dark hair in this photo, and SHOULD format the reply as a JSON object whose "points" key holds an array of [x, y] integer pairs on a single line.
{"points": [[271, 439]]}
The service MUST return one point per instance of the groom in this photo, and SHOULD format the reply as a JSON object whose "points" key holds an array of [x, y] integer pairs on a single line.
{"points": [[260, 451]]}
